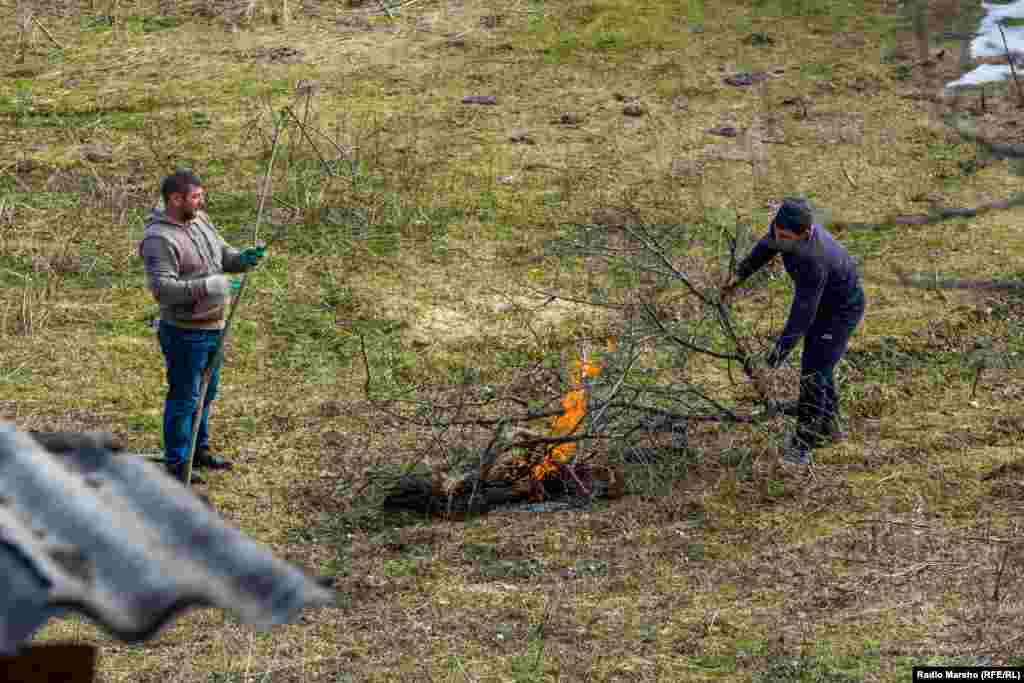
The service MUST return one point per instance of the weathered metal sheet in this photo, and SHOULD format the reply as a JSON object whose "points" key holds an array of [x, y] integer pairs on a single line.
{"points": [[116, 538]]}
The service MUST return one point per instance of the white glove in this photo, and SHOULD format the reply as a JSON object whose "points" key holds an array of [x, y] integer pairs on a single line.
{"points": [[217, 286]]}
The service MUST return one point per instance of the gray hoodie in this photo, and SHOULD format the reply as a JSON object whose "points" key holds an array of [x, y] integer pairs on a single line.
{"points": [[185, 266]]}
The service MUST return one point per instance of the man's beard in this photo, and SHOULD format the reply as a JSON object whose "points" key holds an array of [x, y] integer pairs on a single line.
{"points": [[187, 214]]}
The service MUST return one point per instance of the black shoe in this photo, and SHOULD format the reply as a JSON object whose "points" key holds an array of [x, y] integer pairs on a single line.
{"points": [[204, 458], [178, 472], [796, 452], [789, 408]]}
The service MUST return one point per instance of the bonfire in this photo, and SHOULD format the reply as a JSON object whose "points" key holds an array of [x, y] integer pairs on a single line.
{"points": [[559, 460], [522, 474]]}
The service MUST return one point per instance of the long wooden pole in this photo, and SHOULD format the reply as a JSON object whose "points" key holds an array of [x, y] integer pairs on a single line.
{"points": [[218, 352]]}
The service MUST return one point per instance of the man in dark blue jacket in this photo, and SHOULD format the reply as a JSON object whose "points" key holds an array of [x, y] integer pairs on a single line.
{"points": [[827, 306]]}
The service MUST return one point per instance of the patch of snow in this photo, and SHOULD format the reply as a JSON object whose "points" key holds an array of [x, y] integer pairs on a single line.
{"points": [[984, 73], [989, 43]]}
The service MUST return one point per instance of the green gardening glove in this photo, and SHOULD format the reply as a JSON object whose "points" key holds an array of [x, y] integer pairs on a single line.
{"points": [[250, 258], [236, 287]]}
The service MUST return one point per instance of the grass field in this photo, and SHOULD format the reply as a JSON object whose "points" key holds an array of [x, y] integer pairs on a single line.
{"points": [[901, 547]]}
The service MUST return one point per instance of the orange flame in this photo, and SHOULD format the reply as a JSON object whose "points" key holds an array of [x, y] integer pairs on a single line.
{"points": [[574, 407]]}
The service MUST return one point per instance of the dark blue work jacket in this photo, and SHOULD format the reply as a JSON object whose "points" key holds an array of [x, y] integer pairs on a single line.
{"points": [[825, 276]]}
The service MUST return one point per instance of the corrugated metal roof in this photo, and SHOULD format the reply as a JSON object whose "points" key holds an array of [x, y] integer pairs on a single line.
{"points": [[116, 538]]}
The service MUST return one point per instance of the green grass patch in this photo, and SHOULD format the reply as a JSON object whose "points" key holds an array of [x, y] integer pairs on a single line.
{"points": [[695, 14], [867, 243], [746, 647], [887, 358], [91, 268], [647, 633], [15, 270], [201, 119], [803, 670], [122, 327], [609, 40], [248, 424], [714, 664], [564, 45], [19, 375], [340, 565], [535, 15], [148, 424], [215, 168], [97, 23], [816, 71], [310, 338], [117, 120], [232, 211], [150, 23], [741, 458], [479, 553], [903, 72], [126, 120], [795, 8], [255, 88], [592, 567], [942, 151], [244, 332], [657, 478], [568, 34], [231, 677], [45, 200], [366, 514], [336, 529], [493, 567], [342, 231], [347, 207], [403, 566], [529, 667], [20, 104]]}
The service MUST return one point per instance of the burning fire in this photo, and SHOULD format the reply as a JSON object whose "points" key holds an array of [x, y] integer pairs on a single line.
{"points": [[574, 408]]}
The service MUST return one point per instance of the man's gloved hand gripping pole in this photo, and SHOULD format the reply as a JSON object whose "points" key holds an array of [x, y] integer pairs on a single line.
{"points": [[250, 258]]}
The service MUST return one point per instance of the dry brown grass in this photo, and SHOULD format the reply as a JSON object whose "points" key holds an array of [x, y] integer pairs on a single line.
{"points": [[885, 554]]}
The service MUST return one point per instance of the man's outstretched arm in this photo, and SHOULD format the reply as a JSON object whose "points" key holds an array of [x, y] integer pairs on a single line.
{"points": [[809, 287], [762, 253]]}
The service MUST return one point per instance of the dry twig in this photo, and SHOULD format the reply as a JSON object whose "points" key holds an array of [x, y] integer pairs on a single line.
{"points": [[46, 32]]}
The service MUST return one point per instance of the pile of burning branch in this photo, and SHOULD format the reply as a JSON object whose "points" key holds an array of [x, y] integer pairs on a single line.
{"points": [[537, 467]]}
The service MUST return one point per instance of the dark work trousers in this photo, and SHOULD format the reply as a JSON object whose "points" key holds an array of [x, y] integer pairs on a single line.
{"points": [[824, 345], [186, 354]]}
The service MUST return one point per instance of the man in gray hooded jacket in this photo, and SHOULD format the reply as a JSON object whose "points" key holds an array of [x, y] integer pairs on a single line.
{"points": [[186, 261]]}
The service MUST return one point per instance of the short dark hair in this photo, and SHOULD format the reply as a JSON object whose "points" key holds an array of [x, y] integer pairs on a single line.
{"points": [[179, 182], [795, 215]]}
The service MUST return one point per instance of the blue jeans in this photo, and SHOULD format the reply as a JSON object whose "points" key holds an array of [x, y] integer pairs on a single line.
{"points": [[825, 344], [186, 354]]}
